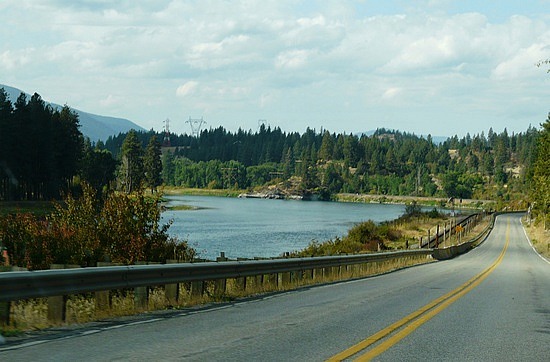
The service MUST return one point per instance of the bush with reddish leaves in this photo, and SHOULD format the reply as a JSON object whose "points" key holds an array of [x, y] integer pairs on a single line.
{"points": [[121, 228]]}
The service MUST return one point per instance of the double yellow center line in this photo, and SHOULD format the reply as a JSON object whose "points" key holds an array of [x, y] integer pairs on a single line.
{"points": [[408, 324]]}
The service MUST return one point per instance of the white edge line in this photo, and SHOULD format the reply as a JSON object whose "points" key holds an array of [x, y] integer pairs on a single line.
{"points": [[530, 243], [24, 345]]}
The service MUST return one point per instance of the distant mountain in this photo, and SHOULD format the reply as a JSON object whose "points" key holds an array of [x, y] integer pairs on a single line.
{"points": [[93, 126]]}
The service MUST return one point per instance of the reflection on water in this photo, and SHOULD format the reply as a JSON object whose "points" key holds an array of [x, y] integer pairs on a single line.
{"points": [[249, 228]]}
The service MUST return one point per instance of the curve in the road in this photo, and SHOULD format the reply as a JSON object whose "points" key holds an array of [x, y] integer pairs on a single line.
{"points": [[414, 320]]}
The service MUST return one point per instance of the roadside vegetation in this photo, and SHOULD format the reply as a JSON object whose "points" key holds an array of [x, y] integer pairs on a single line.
{"points": [[539, 236], [367, 237], [119, 228], [487, 166]]}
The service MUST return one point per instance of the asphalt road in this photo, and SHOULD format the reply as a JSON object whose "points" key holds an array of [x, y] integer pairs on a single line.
{"points": [[490, 304]]}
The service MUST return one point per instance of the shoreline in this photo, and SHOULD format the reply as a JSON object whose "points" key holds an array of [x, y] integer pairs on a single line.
{"points": [[345, 197], [420, 200]]}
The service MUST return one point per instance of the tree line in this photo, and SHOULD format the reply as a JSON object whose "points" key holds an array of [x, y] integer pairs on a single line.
{"points": [[40, 148], [493, 165], [43, 154]]}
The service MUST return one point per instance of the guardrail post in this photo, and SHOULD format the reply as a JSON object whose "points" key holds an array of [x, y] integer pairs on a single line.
{"points": [[220, 284], [197, 288], [240, 283], [57, 304], [272, 280], [102, 297], [327, 272], [285, 279], [258, 281], [5, 307], [141, 294], [308, 274], [172, 291], [296, 276]]}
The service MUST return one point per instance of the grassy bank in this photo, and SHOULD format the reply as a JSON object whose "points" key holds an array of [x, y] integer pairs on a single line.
{"points": [[539, 237], [172, 190], [38, 208], [346, 197]]}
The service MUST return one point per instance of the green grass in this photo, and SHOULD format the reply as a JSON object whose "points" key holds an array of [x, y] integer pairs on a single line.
{"points": [[38, 208], [182, 207], [171, 190]]}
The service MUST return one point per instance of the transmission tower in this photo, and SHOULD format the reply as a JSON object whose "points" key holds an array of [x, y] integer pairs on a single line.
{"points": [[196, 124], [166, 139]]}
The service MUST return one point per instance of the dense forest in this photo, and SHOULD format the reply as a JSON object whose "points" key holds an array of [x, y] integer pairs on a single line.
{"points": [[493, 166]]}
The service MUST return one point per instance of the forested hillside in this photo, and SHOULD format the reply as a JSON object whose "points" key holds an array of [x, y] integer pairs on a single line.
{"points": [[495, 166]]}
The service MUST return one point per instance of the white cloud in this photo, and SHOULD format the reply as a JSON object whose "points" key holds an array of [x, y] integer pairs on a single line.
{"points": [[292, 59], [186, 89], [110, 101], [305, 61], [10, 60], [522, 63], [392, 93]]}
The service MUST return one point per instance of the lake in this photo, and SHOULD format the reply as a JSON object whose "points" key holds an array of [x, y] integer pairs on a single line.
{"points": [[249, 228]]}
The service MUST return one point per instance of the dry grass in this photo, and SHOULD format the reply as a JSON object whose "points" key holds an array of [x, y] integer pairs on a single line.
{"points": [[418, 227], [540, 238], [33, 314]]}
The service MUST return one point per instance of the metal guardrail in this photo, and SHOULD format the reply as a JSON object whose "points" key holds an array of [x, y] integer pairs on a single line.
{"points": [[44, 283], [18, 285], [432, 242], [454, 250]]}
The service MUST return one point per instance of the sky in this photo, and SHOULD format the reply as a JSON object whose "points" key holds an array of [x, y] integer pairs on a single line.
{"points": [[437, 67]]}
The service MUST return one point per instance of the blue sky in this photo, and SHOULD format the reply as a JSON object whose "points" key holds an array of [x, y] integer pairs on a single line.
{"points": [[436, 67]]}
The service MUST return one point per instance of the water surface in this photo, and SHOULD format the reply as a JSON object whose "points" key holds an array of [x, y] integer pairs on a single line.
{"points": [[249, 228]]}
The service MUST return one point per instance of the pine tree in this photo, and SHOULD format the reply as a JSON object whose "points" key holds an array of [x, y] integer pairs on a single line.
{"points": [[7, 179], [131, 171], [152, 163]]}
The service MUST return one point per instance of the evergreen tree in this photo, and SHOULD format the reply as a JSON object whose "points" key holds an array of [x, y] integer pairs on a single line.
{"points": [[8, 182], [152, 163], [327, 147], [68, 144], [131, 169], [97, 166], [168, 168]]}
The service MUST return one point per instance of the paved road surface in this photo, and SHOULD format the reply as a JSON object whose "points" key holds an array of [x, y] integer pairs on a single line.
{"points": [[490, 304]]}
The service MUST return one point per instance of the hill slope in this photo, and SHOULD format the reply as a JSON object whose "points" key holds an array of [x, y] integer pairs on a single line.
{"points": [[93, 126]]}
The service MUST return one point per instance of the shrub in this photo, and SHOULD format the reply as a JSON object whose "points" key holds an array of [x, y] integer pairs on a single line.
{"points": [[82, 231]]}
